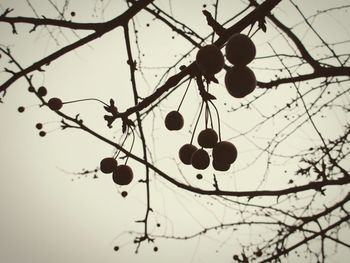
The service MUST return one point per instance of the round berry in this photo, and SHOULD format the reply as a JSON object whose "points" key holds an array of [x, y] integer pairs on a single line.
{"points": [[240, 50], [224, 152], [123, 175], [31, 89], [221, 166], [174, 121], [199, 176], [186, 152], [240, 81], [42, 91], [108, 164], [55, 104], [39, 126], [200, 159], [207, 138], [21, 109], [210, 60]]}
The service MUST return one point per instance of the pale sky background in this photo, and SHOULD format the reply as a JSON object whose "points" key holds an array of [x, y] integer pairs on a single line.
{"points": [[48, 215]]}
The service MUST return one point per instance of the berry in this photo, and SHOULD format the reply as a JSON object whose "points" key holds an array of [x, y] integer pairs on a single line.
{"points": [[240, 50], [240, 81], [186, 152], [200, 159], [199, 176], [210, 59], [55, 104], [116, 248], [108, 164], [123, 175], [42, 91], [220, 166], [39, 126], [207, 138], [174, 121], [124, 193], [224, 152], [31, 89], [42, 134], [21, 109]]}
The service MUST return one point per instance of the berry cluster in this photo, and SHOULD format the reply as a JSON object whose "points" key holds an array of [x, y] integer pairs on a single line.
{"points": [[224, 153], [240, 51], [239, 81], [122, 174]]}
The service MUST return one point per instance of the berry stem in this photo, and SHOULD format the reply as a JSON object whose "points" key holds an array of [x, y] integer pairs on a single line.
{"points": [[218, 116], [73, 101], [132, 143], [195, 126], [183, 97], [122, 144]]}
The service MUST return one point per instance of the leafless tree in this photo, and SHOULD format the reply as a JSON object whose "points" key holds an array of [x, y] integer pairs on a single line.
{"points": [[292, 152]]}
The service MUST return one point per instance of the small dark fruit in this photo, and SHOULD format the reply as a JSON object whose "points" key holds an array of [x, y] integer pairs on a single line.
{"points": [[240, 81], [207, 138], [174, 121], [42, 91], [39, 126], [123, 175], [55, 104], [240, 50], [21, 109], [210, 59], [225, 152], [31, 89], [221, 166], [199, 176], [124, 194], [108, 164], [200, 159], [42, 134], [186, 152]]}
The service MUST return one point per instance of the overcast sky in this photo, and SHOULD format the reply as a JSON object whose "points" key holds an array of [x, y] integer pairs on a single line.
{"points": [[48, 214]]}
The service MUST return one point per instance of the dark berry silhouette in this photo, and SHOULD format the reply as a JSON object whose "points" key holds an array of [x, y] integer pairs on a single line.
{"points": [[207, 138], [200, 159], [123, 175], [240, 50], [108, 164], [210, 60], [199, 176], [31, 89], [174, 121], [42, 133], [186, 152], [116, 248], [42, 91], [224, 152], [124, 193], [21, 109], [221, 166], [240, 81], [39, 126], [55, 104]]}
